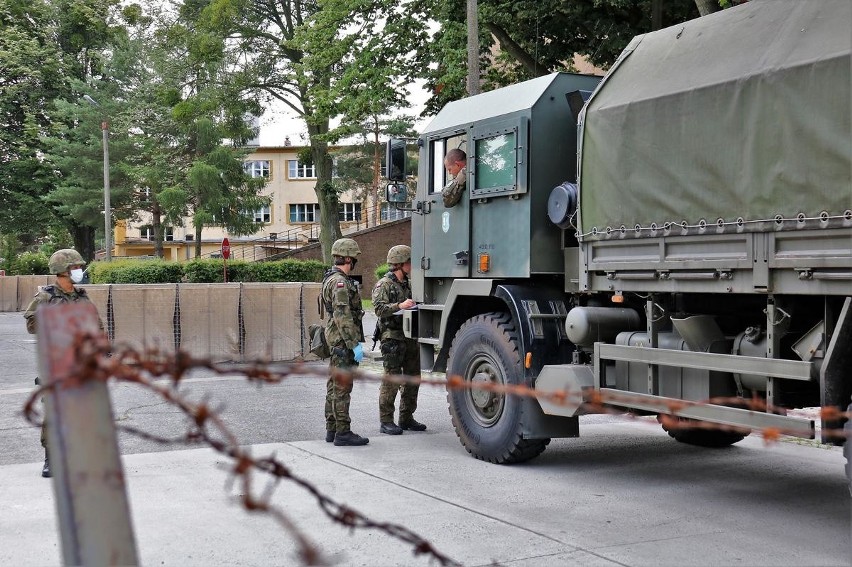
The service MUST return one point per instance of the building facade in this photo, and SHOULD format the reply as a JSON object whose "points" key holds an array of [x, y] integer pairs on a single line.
{"points": [[290, 221]]}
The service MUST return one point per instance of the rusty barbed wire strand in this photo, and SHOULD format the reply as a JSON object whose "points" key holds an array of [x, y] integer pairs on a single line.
{"points": [[99, 360]]}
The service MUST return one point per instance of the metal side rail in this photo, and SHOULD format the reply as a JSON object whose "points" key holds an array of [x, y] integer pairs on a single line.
{"points": [[776, 368]]}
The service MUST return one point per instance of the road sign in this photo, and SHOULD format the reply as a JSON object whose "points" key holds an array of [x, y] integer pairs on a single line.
{"points": [[226, 249]]}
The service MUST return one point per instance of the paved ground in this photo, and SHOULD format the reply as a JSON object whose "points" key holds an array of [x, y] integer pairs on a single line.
{"points": [[622, 494]]}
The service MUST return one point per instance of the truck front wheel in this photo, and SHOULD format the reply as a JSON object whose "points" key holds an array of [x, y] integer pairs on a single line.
{"points": [[489, 424]]}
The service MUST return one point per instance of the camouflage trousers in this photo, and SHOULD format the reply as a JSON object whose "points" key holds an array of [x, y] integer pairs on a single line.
{"points": [[399, 357], [338, 391]]}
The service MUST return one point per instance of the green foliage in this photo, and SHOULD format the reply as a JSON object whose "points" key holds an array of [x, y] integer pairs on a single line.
{"points": [[520, 39], [136, 271], [201, 271], [381, 270], [30, 263]]}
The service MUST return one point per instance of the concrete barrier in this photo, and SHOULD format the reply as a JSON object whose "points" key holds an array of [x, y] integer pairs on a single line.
{"points": [[210, 320], [28, 287], [144, 315], [310, 297], [99, 295], [223, 322], [272, 315], [8, 293]]}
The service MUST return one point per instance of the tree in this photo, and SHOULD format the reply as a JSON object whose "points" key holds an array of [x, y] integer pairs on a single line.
{"points": [[307, 55], [31, 76], [359, 165], [522, 39]]}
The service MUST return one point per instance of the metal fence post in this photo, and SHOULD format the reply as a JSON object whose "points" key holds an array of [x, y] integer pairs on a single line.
{"points": [[88, 479]]}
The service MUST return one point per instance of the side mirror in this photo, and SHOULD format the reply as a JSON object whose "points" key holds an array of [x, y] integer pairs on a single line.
{"points": [[396, 193], [395, 160]]}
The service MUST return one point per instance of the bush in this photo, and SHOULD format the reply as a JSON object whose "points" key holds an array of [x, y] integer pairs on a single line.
{"points": [[202, 271], [136, 271], [381, 270], [31, 263]]}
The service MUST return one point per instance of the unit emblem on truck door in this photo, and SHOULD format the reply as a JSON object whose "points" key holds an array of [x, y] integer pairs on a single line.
{"points": [[445, 221]]}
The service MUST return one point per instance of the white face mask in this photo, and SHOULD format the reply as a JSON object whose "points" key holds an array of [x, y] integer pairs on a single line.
{"points": [[77, 275]]}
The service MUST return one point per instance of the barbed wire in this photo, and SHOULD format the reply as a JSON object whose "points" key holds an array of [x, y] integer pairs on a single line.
{"points": [[99, 360]]}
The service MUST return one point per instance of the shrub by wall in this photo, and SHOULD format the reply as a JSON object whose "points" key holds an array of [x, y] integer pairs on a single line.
{"points": [[136, 271], [209, 271], [381, 270], [30, 263]]}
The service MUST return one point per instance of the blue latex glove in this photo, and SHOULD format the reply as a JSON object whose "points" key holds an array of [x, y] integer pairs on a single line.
{"points": [[359, 352]]}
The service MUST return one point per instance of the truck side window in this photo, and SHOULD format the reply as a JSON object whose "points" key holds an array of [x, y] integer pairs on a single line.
{"points": [[438, 151], [496, 160]]}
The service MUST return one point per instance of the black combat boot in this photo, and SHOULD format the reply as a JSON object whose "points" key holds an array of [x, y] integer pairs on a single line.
{"points": [[347, 438], [45, 470], [412, 425], [329, 436], [390, 428]]}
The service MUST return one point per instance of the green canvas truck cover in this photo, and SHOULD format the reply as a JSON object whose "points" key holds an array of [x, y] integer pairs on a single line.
{"points": [[744, 113]]}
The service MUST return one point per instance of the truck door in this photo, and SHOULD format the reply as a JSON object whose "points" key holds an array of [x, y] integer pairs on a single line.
{"points": [[446, 230]]}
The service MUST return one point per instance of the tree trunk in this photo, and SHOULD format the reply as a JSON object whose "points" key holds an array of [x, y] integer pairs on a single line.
{"points": [[84, 240], [198, 241], [158, 229], [472, 48], [377, 175], [707, 6], [329, 204], [656, 14]]}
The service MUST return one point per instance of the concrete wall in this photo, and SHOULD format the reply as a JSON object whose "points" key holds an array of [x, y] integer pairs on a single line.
{"points": [[221, 322]]}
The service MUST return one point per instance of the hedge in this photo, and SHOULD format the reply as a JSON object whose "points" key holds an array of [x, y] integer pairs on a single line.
{"points": [[205, 271], [30, 263]]}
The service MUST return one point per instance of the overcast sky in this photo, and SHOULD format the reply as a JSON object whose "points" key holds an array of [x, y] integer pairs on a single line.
{"points": [[280, 121]]}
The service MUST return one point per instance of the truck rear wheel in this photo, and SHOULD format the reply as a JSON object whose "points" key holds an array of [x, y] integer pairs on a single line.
{"points": [[489, 424], [700, 436]]}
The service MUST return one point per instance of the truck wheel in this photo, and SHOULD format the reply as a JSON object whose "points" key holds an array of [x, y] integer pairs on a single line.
{"points": [[489, 424], [700, 436]]}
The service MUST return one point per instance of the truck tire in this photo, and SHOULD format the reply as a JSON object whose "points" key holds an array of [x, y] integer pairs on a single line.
{"points": [[700, 436], [489, 424]]}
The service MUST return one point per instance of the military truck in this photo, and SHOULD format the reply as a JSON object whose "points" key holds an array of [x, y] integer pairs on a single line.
{"points": [[674, 239]]}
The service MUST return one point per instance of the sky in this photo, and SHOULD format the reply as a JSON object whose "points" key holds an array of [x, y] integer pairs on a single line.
{"points": [[280, 121]]}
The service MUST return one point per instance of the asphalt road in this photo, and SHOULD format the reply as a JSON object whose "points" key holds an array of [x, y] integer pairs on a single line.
{"points": [[621, 494]]}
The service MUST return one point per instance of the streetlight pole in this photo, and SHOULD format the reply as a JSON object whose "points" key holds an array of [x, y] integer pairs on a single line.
{"points": [[107, 208]]}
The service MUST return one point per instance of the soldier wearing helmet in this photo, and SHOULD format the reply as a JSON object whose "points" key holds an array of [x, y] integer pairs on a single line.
{"points": [[400, 355], [67, 265], [343, 332]]}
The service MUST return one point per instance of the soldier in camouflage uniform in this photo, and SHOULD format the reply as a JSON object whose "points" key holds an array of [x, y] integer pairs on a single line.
{"points": [[67, 265], [455, 162], [400, 355], [343, 332]]}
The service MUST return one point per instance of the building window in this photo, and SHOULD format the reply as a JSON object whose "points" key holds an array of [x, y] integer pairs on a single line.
{"points": [[258, 168], [390, 212], [300, 171], [349, 212], [147, 233], [304, 212], [263, 214]]}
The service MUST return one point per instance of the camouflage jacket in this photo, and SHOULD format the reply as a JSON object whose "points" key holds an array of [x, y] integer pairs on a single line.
{"points": [[452, 191], [52, 294], [387, 295], [342, 302]]}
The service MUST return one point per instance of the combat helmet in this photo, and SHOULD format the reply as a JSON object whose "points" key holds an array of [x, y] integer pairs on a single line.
{"points": [[62, 259], [399, 254], [345, 247]]}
